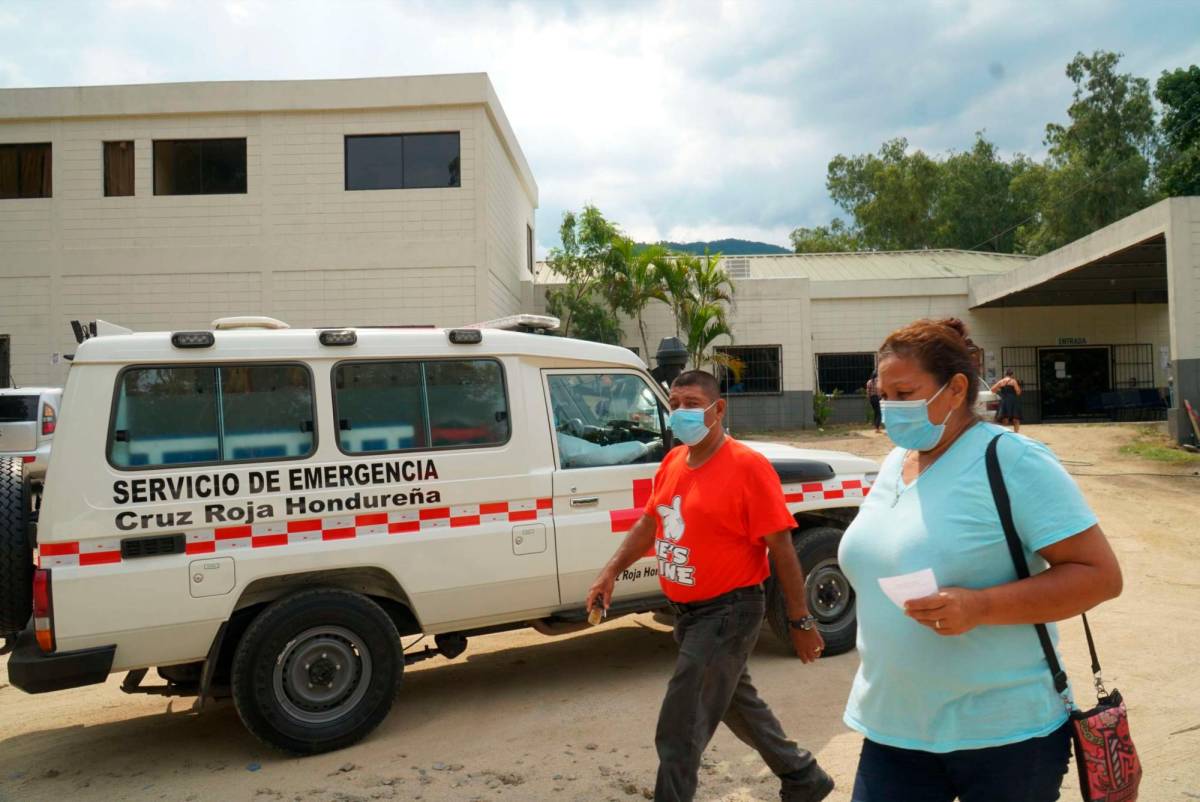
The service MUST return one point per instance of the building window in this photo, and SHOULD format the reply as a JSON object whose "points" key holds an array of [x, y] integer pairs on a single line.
{"points": [[25, 170], [200, 167], [195, 415], [847, 373], [404, 406], [402, 161], [757, 369], [118, 169]]}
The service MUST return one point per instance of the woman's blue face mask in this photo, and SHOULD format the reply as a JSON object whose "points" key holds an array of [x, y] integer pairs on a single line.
{"points": [[688, 424], [908, 423]]}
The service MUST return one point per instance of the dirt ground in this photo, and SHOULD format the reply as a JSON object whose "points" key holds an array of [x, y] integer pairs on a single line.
{"points": [[524, 717]]}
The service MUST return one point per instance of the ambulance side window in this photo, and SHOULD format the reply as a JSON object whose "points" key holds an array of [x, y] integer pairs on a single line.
{"points": [[202, 415], [380, 406], [606, 419], [414, 405]]}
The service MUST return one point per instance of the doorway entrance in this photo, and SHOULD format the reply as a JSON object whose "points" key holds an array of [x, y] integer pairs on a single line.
{"points": [[5, 364], [1072, 381]]}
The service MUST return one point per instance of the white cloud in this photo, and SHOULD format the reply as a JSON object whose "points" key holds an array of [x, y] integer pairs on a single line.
{"points": [[681, 119]]}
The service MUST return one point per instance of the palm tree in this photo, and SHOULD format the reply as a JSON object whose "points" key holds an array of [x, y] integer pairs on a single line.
{"points": [[640, 283], [675, 276]]}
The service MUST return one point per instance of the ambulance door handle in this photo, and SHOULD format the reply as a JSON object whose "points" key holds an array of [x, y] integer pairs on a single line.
{"points": [[587, 501]]}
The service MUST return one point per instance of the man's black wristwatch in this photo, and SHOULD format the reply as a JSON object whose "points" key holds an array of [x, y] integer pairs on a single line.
{"points": [[806, 623]]}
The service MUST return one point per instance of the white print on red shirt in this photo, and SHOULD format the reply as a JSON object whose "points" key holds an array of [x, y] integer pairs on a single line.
{"points": [[673, 558]]}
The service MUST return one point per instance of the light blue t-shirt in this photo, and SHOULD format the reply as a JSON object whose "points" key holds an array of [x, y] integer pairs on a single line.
{"points": [[916, 689]]}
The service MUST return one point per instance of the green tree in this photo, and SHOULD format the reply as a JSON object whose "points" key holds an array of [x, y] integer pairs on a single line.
{"points": [[1178, 167], [1100, 160], [889, 195], [587, 262], [836, 237], [638, 282], [979, 199], [700, 292]]}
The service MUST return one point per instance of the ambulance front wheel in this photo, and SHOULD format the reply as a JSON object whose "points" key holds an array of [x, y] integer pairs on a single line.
{"points": [[317, 671], [829, 595]]}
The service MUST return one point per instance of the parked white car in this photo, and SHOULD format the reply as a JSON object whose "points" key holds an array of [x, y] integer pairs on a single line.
{"points": [[987, 403], [264, 512], [28, 419]]}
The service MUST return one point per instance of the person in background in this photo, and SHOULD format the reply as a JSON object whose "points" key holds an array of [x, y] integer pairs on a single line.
{"points": [[716, 511], [953, 693], [872, 390], [1009, 390]]}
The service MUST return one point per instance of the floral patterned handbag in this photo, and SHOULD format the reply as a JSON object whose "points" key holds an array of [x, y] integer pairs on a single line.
{"points": [[1109, 768]]}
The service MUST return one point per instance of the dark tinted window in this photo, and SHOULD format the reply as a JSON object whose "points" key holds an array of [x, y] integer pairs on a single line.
{"points": [[188, 415], [399, 406], [18, 408], [266, 411], [431, 160], [118, 169], [752, 369], [466, 403], [200, 167], [380, 406], [845, 372], [25, 170], [402, 161], [375, 162]]}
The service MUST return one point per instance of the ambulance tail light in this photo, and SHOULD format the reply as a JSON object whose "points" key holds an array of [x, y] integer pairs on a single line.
{"points": [[49, 419], [43, 610]]}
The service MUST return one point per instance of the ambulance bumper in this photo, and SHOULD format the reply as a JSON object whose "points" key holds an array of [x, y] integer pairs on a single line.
{"points": [[34, 671]]}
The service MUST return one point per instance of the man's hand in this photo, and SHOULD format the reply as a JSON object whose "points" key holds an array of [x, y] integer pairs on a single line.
{"points": [[807, 643], [950, 611], [601, 589]]}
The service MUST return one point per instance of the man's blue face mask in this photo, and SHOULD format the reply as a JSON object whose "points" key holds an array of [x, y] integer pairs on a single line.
{"points": [[688, 424]]}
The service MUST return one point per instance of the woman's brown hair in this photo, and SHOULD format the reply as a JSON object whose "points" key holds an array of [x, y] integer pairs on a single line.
{"points": [[941, 347]]}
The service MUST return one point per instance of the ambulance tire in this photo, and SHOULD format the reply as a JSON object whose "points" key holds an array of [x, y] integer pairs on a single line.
{"points": [[830, 597], [317, 671], [16, 555]]}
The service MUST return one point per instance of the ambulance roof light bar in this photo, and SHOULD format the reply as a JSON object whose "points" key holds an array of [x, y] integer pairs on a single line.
{"points": [[539, 324]]}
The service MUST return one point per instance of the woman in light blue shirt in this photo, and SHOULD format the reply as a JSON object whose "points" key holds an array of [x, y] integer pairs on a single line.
{"points": [[954, 696]]}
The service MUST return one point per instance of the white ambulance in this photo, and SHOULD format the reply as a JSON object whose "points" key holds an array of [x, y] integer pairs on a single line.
{"points": [[263, 512]]}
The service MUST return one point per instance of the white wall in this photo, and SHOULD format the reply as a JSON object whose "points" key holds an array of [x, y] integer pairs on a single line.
{"points": [[297, 245], [861, 324]]}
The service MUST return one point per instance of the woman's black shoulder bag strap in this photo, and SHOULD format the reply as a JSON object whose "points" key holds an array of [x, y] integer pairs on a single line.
{"points": [[1017, 551], [1108, 764]]}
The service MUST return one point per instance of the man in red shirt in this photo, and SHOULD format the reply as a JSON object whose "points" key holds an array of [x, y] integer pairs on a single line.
{"points": [[716, 511]]}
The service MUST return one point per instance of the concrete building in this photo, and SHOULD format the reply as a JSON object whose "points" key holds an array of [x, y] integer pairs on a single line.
{"points": [[407, 201], [1105, 328], [372, 201]]}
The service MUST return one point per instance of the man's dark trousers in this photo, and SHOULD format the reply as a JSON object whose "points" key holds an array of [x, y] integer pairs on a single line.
{"points": [[711, 685]]}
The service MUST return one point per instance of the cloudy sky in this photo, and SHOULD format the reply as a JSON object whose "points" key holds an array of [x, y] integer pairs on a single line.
{"points": [[680, 120]]}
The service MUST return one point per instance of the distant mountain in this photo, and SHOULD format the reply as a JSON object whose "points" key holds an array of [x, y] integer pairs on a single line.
{"points": [[729, 247]]}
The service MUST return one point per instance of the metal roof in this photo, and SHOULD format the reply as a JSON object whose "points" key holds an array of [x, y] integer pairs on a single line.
{"points": [[858, 266]]}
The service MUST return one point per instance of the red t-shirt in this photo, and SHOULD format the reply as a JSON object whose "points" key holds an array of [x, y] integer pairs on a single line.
{"points": [[712, 521]]}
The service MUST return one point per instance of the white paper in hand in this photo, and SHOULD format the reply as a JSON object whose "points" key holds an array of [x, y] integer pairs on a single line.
{"points": [[909, 586]]}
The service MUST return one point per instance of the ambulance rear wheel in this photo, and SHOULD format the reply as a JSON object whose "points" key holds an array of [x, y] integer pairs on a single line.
{"points": [[829, 595], [16, 556], [317, 671]]}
